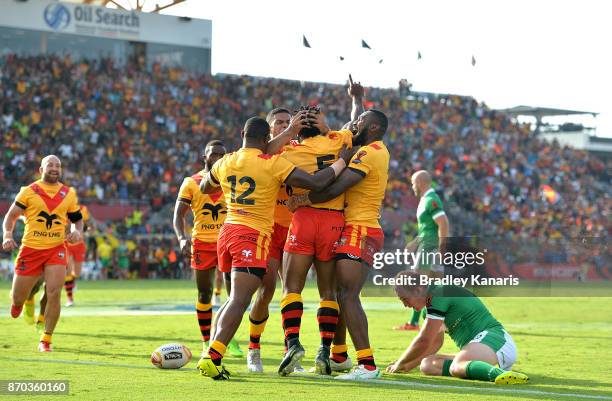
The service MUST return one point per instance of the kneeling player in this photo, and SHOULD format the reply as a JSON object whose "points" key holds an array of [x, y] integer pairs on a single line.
{"points": [[481, 338]]}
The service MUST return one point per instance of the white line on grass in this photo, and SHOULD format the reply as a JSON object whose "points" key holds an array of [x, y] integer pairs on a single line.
{"points": [[404, 383]]}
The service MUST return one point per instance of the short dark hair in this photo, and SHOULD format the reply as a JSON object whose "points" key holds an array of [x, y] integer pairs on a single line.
{"points": [[276, 111], [214, 142], [256, 128], [380, 119]]}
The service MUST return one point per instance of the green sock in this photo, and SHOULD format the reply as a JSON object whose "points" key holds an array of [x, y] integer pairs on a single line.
{"points": [[479, 370], [446, 367], [415, 317]]}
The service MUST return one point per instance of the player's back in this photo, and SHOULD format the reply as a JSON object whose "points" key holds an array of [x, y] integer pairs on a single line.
{"points": [[316, 153], [250, 181]]}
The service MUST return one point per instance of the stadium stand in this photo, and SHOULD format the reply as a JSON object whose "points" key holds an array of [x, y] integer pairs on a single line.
{"points": [[128, 135]]}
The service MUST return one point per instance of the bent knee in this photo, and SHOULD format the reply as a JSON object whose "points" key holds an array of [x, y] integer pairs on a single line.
{"points": [[427, 366], [457, 370]]}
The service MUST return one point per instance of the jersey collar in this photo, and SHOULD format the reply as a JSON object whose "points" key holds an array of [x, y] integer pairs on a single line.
{"points": [[430, 190], [253, 150]]}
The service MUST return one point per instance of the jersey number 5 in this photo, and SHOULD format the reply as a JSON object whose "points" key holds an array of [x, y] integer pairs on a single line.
{"points": [[242, 198]]}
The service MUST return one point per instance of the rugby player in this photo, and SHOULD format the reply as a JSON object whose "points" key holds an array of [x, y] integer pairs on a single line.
{"points": [[209, 211], [76, 257], [432, 234], [48, 206], [487, 350], [250, 180], [312, 234], [364, 183], [279, 120]]}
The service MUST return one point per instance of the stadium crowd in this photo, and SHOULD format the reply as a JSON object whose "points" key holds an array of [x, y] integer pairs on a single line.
{"points": [[129, 135]]}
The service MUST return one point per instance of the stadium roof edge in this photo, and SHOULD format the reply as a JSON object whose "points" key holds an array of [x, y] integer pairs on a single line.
{"points": [[540, 112]]}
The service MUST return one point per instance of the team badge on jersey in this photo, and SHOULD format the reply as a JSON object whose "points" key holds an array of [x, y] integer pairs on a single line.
{"points": [[357, 159]]}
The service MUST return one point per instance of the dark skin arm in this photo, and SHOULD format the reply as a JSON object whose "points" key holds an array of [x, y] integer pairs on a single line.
{"points": [[178, 222], [209, 183], [314, 182], [346, 179], [298, 122]]}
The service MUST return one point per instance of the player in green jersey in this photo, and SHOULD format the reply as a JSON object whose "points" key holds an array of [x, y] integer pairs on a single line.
{"points": [[481, 338], [432, 232]]}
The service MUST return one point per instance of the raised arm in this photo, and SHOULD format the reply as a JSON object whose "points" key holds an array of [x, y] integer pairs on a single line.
{"points": [[355, 91], [298, 121]]}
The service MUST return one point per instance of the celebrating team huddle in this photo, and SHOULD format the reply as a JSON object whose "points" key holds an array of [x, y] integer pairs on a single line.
{"points": [[297, 195]]}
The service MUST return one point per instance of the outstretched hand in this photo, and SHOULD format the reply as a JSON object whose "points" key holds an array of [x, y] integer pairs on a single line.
{"points": [[355, 89]]}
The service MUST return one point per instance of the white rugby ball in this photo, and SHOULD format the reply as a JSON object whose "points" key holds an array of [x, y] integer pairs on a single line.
{"points": [[171, 356]]}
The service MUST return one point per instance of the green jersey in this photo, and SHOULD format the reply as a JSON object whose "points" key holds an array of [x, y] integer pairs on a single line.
{"points": [[463, 313], [430, 207]]}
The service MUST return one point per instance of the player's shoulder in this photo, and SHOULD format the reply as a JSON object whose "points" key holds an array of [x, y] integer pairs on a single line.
{"points": [[338, 134], [194, 178]]}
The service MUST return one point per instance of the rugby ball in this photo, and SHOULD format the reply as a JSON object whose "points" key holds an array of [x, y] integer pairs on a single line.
{"points": [[171, 356]]}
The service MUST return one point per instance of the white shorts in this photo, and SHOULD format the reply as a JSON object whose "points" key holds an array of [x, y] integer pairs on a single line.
{"points": [[501, 343]]}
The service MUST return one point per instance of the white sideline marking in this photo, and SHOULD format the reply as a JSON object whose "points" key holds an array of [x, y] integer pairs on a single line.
{"points": [[405, 383]]}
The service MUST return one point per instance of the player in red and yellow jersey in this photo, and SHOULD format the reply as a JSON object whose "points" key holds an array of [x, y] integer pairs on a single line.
{"points": [[364, 183], [209, 211], [279, 120], [250, 180], [76, 257], [312, 234], [48, 206]]}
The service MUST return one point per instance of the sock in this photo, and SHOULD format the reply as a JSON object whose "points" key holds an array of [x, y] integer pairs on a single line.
{"points": [[29, 301], [204, 312], [256, 329], [46, 337], [327, 317], [216, 351], [69, 285], [292, 309], [479, 370], [339, 353], [41, 319], [365, 357], [446, 367], [415, 317]]}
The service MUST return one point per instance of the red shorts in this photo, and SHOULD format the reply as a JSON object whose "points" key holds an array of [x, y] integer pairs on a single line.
{"points": [[77, 251], [315, 232], [361, 242], [32, 262], [203, 255], [279, 237], [242, 246]]}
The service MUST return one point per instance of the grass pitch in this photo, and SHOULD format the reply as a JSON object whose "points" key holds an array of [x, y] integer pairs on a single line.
{"points": [[103, 344]]}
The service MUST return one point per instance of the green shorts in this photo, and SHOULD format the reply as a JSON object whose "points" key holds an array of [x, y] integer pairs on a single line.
{"points": [[501, 343], [105, 262]]}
